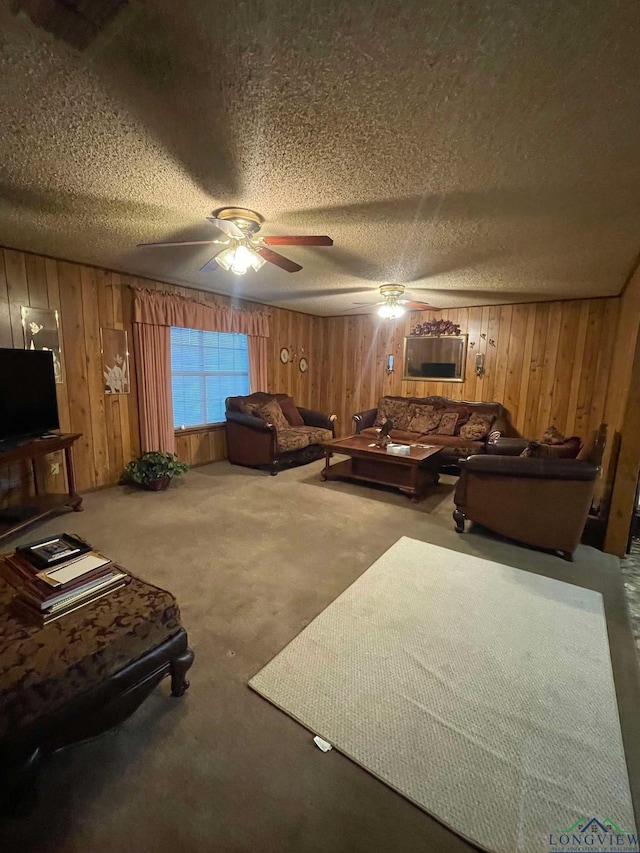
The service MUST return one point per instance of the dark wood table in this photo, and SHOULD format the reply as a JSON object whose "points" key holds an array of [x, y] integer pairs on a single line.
{"points": [[39, 505], [411, 474]]}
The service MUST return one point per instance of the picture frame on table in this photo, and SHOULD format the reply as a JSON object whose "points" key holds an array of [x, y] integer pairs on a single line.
{"points": [[54, 549]]}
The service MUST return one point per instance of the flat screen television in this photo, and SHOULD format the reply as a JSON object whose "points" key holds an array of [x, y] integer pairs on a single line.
{"points": [[28, 403]]}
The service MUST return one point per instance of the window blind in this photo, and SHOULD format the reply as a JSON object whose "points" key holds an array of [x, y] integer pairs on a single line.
{"points": [[206, 367]]}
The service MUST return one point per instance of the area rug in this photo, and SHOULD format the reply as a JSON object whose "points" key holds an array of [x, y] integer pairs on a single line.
{"points": [[482, 693]]}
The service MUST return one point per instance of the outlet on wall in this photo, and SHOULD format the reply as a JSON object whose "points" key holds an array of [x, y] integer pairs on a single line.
{"points": [[54, 468]]}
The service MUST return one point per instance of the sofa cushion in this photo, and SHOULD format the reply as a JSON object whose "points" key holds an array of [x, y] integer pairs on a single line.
{"points": [[290, 411], [448, 423], [425, 419], [273, 414], [295, 438], [451, 441], [477, 426], [399, 412], [552, 436]]}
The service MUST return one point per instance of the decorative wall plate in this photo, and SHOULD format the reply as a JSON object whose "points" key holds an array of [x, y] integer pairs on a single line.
{"points": [[303, 365], [284, 355]]}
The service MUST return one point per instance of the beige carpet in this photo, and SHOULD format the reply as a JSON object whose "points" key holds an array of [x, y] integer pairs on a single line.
{"points": [[253, 559], [481, 692]]}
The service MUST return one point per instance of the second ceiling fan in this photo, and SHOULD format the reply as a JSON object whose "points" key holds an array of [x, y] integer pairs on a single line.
{"points": [[243, 249], [392, 305]]}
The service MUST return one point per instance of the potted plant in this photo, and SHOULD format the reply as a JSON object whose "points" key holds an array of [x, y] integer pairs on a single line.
{"points": [[154, 470]]}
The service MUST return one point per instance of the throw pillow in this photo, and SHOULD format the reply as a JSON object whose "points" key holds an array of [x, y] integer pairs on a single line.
{"points": [[425, 419], [399, 412], [290, 412], [250, 408], [567, 450], [477, 427], [272, 413], [552, 436], [463, 417], [448, 423]]}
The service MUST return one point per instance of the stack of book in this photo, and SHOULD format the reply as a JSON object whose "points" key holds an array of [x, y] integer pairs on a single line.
{"points": [[58, 575]]}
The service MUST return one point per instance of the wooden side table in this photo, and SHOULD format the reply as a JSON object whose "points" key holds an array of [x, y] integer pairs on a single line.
{"points": [[40, 505]]}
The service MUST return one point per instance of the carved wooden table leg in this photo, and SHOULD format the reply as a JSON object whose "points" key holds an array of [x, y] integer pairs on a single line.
{"points": [[327, 456], [75, 500], [179, 668]]}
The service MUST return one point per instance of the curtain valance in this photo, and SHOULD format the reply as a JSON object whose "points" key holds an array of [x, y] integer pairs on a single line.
{"points": [[159, 308]]}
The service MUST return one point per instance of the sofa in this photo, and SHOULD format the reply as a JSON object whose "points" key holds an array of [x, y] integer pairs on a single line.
{"points": [[435, 420], [261, 435], [538, 501]]}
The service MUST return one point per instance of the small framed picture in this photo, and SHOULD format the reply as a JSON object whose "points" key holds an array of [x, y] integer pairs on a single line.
{"points": [[115, 361], [41, 331], [53, 550]]}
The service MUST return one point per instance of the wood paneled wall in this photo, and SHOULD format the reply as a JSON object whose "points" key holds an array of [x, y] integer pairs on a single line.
{"points": [[566, 363], [547, 362], [88, 299]]}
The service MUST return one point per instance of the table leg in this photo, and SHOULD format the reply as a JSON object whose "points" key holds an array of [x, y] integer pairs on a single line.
{"points": [[74, 498], [327, 456]]}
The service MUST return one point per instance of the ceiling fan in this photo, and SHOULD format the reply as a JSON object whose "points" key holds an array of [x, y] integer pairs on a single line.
{"points": [[244, 249], [392, 305]]}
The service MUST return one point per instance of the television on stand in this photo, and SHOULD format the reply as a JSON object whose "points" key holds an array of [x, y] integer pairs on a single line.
{"points": [[28, 402]]}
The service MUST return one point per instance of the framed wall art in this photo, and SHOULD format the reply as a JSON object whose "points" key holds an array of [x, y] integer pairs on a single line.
{"points": [[115, 361], [41, 331]]}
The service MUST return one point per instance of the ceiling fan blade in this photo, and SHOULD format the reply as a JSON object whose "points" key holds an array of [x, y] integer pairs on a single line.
{"points": [[278, 260], [227, 227], [420, 306], [298, 241], [182, 243], [210, 266], [360, 307]]}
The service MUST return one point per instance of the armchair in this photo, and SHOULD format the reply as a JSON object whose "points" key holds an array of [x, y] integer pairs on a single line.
{"points": [[540, 502], [256, 443]]}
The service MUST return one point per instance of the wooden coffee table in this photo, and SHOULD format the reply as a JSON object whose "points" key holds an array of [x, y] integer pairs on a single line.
{"points": [[411, 474]]}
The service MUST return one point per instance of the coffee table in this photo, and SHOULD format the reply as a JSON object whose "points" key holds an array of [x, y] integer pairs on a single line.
{"points": [[367, 463]]}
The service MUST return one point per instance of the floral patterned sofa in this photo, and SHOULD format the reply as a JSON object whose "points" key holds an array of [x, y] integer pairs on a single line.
{"points": [[270, 431], [461, 428]]}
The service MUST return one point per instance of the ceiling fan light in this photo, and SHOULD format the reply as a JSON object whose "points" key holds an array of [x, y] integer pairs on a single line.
{"points": [[390, 312], [225, 258], [242, 260], [257, 261]]}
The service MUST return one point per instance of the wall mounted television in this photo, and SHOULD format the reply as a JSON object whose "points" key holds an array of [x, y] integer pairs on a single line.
{"points": [[28, 402]]}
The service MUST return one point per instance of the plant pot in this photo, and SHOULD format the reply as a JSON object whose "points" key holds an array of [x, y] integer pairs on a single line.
{"points": [[158, 485]]}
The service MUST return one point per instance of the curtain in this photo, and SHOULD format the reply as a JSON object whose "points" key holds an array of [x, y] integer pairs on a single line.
{"points": [[154, 312], [257, 364], [152, 347], [157, 308]]}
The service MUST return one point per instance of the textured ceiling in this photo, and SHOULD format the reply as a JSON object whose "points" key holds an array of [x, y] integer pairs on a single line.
{"points": [[481, 151]]}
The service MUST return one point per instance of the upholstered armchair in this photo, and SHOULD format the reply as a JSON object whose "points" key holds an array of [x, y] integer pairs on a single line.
{"points": [[260, 437], [538, 501]]}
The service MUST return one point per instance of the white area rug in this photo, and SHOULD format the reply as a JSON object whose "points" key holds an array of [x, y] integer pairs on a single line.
{"points": [[482, 693]]}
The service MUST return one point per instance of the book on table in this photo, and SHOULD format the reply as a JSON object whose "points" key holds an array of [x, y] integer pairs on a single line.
{"points": [[65, 586]]}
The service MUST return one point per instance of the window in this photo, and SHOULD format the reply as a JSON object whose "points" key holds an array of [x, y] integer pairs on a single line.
{"points": [[206, 367]]}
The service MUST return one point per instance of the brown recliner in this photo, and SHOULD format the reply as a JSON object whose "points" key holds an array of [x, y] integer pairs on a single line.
{"points": [[540, 502], [255, 443]]}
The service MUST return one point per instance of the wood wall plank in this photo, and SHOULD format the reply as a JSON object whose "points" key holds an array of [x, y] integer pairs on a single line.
{"points": [[6, 330]]}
